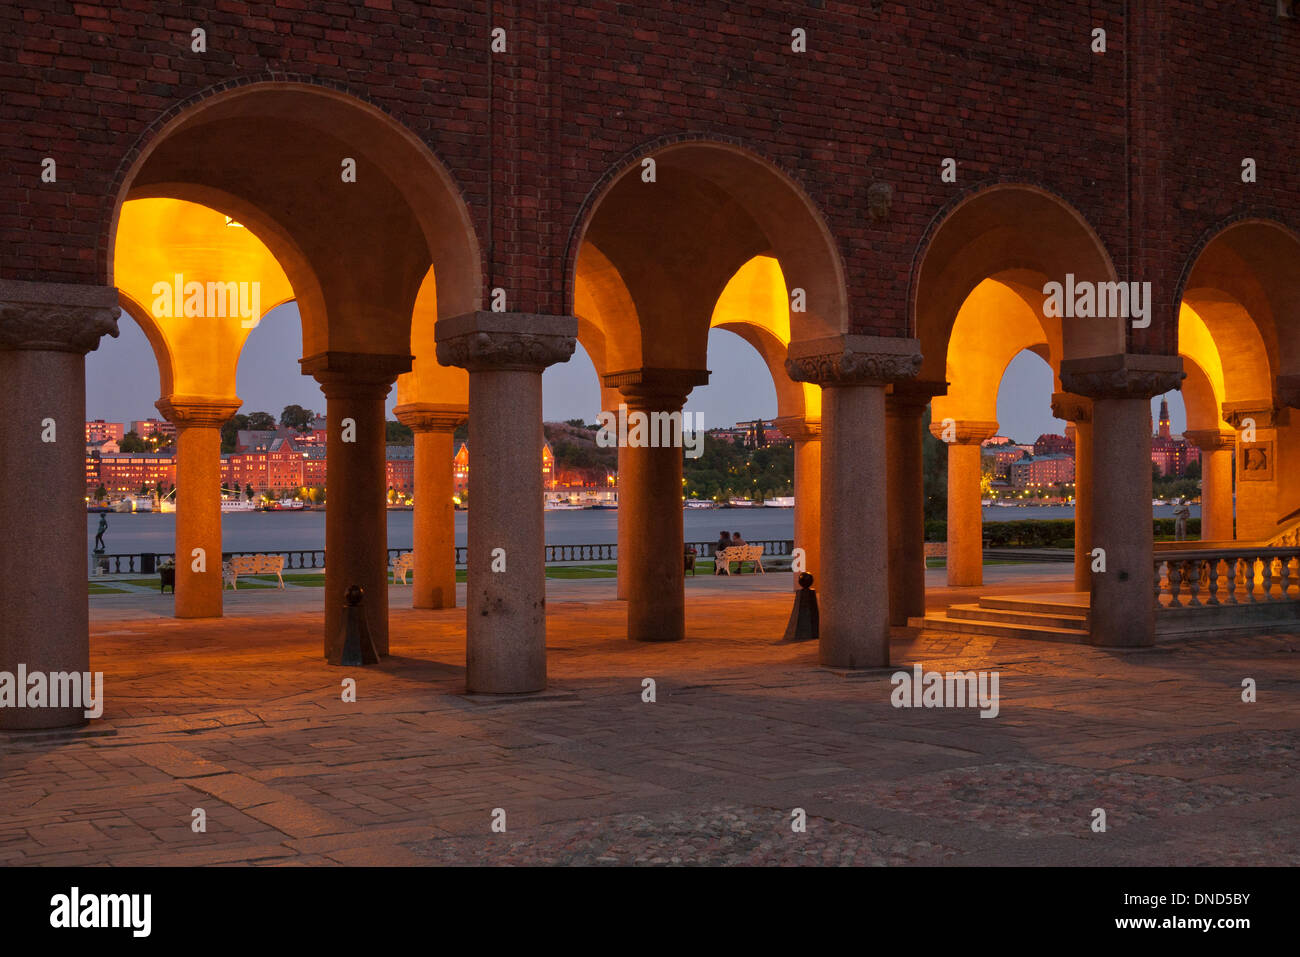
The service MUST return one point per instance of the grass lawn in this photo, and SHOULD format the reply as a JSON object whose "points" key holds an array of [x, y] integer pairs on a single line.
{"points": [[98, 589]]}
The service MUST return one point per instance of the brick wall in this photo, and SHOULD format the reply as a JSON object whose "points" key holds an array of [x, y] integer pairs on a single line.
{"points": [[1145, 141]]}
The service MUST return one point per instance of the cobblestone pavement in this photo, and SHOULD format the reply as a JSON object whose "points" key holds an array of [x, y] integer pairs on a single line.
{"points": [[242, 719]]}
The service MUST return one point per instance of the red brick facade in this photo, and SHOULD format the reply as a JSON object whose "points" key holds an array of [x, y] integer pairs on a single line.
{"points": [[1145, 140]]}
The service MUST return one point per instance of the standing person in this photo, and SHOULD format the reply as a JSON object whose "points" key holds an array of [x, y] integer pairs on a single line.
{"points": [[99, 533], [724, 541]]}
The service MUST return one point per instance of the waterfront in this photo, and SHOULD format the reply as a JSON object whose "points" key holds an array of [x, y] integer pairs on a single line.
{"points": [[294, 531]]}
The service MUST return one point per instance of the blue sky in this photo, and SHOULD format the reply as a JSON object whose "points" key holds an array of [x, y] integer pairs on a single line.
{"points": [[122, 382]]}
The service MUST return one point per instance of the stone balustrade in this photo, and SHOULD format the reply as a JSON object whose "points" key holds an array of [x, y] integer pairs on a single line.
{"points": [[1193, 578]]}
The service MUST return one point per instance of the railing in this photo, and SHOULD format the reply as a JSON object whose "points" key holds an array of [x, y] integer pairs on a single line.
{"points": [[146, 563], [1203, 578]]}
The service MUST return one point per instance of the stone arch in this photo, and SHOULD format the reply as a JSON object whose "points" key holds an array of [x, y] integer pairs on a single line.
{"points": [[1008, 228], [161, 238], [755, 306], [268, 153], [1243, 281], [678, 241]]}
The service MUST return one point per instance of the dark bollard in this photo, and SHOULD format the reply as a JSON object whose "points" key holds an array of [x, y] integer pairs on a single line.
{"points": [[803, 618], [358, 648]]}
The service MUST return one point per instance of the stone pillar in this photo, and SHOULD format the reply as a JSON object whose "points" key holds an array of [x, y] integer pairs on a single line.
{"points": [[904, 409], [853, 589], [806, 434], [198, 421], [965, 516], [505, 354], [623, 512], [1122, 606], [1216, 482], [1077, 410], [434, 518], [356, 514], [650, 503], [1257, 472], [46, 329]]}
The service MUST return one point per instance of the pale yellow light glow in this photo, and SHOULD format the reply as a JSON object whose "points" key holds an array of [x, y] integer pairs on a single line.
{"points": [[756, 297], [159, 239]]}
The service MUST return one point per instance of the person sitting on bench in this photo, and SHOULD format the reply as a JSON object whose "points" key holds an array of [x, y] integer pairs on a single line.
{"points": [[724, 541]]}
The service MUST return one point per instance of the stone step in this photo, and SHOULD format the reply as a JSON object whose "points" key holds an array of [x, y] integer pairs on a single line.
{"points": [[1077, 622], [996, 629], [1036, 606]]}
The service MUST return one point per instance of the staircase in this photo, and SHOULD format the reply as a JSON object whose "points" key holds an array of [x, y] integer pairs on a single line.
{"points": [[1040, 617]]}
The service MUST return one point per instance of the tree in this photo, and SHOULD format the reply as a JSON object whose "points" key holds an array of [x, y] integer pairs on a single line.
{"points": [[248, 491], [261, 422], [396, 433], [101, 493], [131, 442], [296, 417], [230, 432]]}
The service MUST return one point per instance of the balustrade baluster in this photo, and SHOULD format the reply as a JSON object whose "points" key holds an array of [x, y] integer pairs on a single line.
{"points": [[1175, 580]]}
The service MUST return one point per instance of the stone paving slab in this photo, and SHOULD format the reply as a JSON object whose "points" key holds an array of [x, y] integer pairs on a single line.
{"points": [[241, 717]]}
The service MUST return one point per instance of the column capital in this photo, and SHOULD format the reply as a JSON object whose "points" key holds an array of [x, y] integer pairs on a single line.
{"points": [[1071, 407], [963, 431], [650, 388], [799, 428], [911, 396], [359, 375], [56, 316], [1262, 414], [198, 411], [505, 341], [1211, 440], [431, 417], [853, 360], [1122, 376]]}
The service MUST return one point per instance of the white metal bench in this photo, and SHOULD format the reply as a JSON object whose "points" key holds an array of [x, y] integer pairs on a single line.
{"points": [[252, 565], [738, 554], [403, 565]]}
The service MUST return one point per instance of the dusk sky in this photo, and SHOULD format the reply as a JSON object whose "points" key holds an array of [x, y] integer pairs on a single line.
{"points": [[122, 382]]}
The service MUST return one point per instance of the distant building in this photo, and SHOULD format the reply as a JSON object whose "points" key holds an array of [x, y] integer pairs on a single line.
{"points": [[125, 472], [97, 430], [145, 428], [1053, 445], [399, 466], [1171, 455], [460, 468], [1042, 471]]}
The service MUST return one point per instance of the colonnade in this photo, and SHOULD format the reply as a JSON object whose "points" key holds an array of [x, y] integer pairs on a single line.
{"points": [[859, 517]]}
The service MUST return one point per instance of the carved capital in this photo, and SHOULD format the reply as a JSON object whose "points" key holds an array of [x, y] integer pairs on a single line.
{"points": [[1261, 415], [505, 341], [1211, 440], [56, 317], [198, 411], [963, 431], [911, 396], [355, 375], [853, 360], [1122, 376], [660, 390], [1071, 407], [431, 417], [799, 428]]}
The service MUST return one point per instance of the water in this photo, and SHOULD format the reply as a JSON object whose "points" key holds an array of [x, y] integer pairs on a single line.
{"points": [[294, 531]]}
